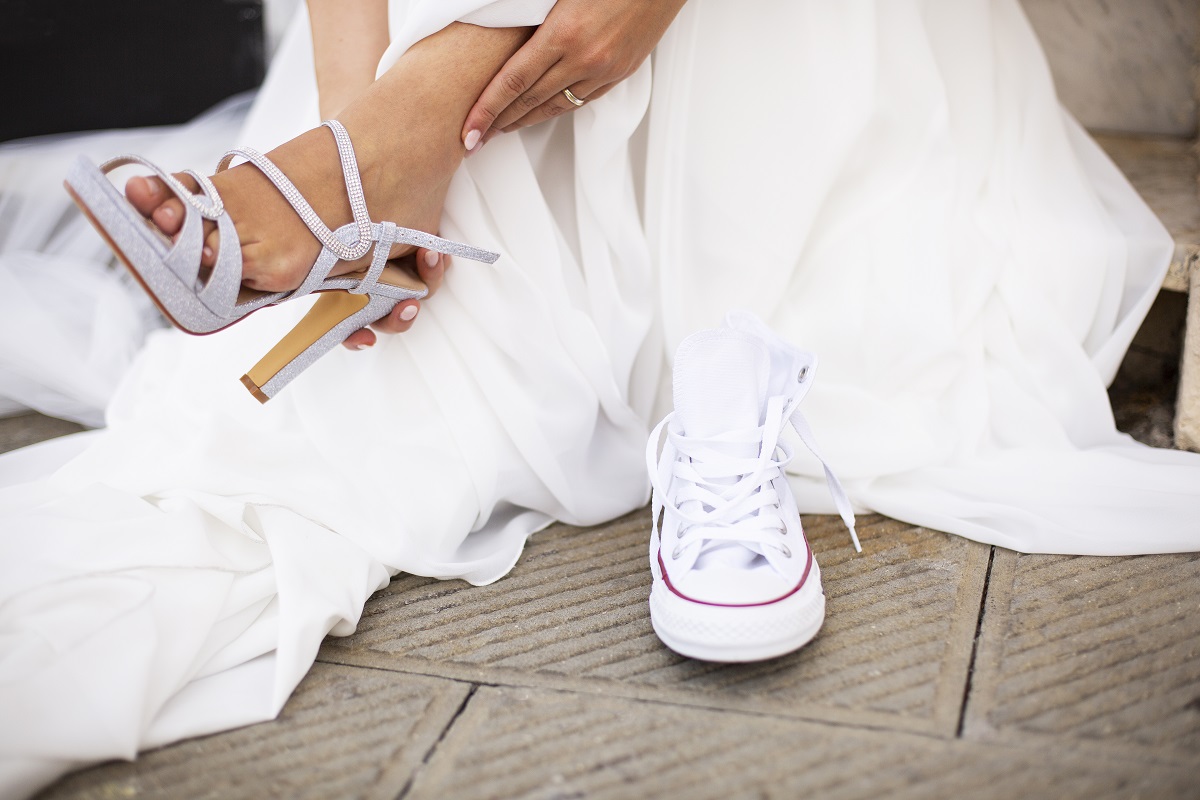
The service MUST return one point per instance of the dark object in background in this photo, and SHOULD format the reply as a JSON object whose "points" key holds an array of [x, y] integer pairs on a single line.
{"points": [[73, 65]]}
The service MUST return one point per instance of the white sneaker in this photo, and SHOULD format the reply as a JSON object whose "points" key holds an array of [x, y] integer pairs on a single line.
{"points": [[734, 577]]}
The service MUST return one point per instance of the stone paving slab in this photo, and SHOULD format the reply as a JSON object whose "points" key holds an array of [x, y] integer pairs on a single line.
{"points": [[1104, 651], [346, 732], [533, 743], [26, 429], [895, 649]]}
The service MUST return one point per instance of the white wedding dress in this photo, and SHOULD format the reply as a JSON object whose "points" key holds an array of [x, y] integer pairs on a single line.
{"points": [[890, 183]]}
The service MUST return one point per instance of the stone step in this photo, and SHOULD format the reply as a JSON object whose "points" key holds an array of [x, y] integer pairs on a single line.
{"points": [[1123, 65], [1164, 170]]}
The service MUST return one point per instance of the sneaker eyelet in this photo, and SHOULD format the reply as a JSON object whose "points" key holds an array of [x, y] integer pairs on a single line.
{"points": [[803, 374]]}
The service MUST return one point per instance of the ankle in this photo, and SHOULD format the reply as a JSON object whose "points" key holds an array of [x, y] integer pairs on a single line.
{"points": [[414, 135]]}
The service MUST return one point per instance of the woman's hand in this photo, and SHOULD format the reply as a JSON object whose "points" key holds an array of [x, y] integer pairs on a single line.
{"points": [[584, 46], [431, 268]]}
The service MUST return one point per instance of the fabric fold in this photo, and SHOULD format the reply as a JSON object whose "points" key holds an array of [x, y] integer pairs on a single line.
{"points": [[918, 210]]}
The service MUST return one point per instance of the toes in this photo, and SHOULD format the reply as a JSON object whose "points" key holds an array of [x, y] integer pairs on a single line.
{"points": [[145, 193], [150, 195], [212, 244], [169, 216]]}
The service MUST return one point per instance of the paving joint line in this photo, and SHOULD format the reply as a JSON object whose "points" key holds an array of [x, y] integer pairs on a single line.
{"points": [[478, 683], [983, 596], [433, 750]]}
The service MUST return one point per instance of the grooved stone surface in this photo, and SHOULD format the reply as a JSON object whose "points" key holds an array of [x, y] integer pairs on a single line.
{"points": [[1123, 65], [528, 743], [1104, 650], [346, 732], [27, 429], [896, 644]]}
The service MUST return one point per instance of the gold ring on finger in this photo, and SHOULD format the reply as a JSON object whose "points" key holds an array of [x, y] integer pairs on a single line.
{"points": [[575, 101]]}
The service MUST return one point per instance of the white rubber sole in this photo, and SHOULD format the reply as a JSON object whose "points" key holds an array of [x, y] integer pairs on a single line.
{"points": [[735, 634]]}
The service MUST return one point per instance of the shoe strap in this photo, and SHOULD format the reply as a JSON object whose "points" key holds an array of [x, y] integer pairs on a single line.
{"points": [[383, 248], [219, 293], [318, 276], [354, 190], [210, 206], [334, 245]]}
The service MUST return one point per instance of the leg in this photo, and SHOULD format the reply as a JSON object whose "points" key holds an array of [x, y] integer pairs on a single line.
{"points": [[405, 129], [348, 41]]}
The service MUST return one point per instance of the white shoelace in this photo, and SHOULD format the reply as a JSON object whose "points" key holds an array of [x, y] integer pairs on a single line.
{"points": [[731, 499]]}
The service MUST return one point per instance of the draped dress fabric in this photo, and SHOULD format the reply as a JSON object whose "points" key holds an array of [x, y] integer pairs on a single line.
{"points": [[890, 184]]}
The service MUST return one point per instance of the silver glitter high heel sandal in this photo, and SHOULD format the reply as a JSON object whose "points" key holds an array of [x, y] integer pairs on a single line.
{"points": [[170, 272]]}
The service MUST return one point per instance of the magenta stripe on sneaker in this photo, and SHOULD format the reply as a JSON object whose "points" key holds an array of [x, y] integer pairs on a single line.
{"points": [[803, 578]]}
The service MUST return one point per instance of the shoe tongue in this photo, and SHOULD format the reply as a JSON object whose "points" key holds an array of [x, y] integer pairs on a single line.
{"points": [[721, 384]]}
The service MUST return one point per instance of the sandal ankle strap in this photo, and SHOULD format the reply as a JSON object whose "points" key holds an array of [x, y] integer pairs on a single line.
{"points": [[354, 190]]}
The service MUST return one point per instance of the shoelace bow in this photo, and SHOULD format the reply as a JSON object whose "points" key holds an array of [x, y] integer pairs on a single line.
{"points": [[731, 499]]}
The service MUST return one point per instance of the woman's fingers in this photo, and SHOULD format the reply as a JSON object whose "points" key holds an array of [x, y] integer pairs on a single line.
{"points": [[361, 339], [586, 91], [583, 46], [399, 320], [544, 91], [431, 267], [515, 78]]}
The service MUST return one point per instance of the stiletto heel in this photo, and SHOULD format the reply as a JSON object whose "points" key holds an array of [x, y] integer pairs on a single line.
{"points": [[170, 272], [333, 317]]}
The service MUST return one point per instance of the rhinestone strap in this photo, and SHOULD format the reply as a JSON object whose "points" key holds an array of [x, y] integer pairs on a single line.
{"points": [[383, 247], [358, 202], [211, 209], [210, 191], [354, 190]]}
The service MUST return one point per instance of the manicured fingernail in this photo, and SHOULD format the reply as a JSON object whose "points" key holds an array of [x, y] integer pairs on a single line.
{"points": [[409, 313], [431, 258], [472, 139], [208, 252], [362, 345]]}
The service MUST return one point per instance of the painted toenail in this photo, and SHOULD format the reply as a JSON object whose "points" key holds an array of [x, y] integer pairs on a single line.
{"points": [[431, 258], [208, 252], [409, 313], [151, 186]]}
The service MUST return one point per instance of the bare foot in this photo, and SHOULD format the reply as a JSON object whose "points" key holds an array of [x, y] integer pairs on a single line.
{"points": [[405, 129], [277, 248]]}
